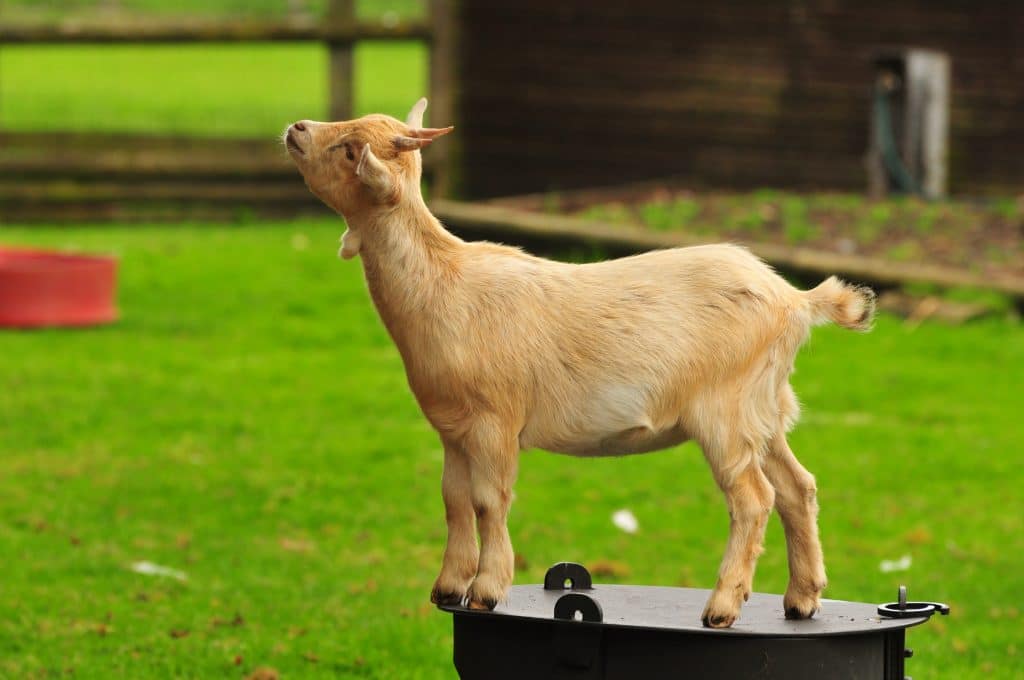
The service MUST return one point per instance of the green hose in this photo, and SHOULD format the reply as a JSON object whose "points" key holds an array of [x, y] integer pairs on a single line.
{"points": [[884, 137]]}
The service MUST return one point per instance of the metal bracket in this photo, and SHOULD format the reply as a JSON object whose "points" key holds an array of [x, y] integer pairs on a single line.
{"points": [[576, 574], [568, 606], [901, 609]]}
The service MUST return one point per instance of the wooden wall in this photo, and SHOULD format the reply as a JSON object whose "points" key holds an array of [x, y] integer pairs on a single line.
{"points": [[737, 93]]}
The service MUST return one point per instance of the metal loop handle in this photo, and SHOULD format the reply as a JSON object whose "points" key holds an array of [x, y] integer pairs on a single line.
{"points": [[576, 574], [569, 605], [901, 609]]}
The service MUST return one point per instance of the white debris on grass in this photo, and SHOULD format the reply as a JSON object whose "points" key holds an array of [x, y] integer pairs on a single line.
{"points": [[902, 564], [152, 569], [625, 520]]}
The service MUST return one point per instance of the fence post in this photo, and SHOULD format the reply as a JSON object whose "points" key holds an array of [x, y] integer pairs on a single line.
{"points": [[442, 95], [341, 19]]}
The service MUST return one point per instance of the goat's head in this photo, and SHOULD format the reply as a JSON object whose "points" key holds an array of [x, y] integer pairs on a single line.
{"points": [[360, 165]]}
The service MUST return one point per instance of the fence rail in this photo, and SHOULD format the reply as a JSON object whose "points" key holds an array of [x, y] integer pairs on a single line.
{"points": [[222, 31]]}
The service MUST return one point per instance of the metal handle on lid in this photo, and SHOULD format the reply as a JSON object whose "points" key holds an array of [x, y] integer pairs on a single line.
{"points": [[568, 606], [576, 574], [901, 609]]}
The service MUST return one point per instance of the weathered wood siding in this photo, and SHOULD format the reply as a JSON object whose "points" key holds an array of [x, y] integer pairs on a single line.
{"points": [[742, 93]]}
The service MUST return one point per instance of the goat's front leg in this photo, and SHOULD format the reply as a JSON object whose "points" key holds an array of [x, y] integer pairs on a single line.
{"points": [[796, 501], [749, 497], [460, 553], [493, 461]]}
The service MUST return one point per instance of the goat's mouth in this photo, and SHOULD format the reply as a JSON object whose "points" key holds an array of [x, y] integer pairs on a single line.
{"points": [[292, 145]]}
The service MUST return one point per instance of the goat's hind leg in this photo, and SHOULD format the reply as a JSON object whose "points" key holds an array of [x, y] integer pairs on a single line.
{"points": [[461, 553], [796, 501]]}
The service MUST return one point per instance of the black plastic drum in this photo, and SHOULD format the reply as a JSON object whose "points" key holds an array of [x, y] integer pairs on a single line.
{"points": [[570, 628]]}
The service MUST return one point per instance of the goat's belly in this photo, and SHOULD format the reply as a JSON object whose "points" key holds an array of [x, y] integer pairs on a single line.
{"points": [[638, 439], [608, 420], [624, 443]]}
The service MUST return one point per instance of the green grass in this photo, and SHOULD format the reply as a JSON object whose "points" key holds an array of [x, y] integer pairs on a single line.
{"points": [[208, 90], [247, 422]]}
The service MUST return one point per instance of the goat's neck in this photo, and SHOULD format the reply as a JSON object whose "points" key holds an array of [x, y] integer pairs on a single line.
{"points": [[409, 260]]}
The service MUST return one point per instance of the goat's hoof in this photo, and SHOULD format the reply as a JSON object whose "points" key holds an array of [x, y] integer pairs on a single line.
{"points": [[483, 605], [718, 620], [723, 608], [446, 597], [799, 607], [486, 591]]}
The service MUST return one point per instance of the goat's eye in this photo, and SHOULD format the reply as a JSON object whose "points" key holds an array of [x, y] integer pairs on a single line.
{"points": [[348, 153]]}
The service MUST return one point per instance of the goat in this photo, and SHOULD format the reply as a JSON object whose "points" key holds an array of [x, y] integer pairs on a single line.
{"points": [[505, 352]]}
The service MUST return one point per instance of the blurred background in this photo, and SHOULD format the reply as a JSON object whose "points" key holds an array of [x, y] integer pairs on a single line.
{"points": [[232, 479]]}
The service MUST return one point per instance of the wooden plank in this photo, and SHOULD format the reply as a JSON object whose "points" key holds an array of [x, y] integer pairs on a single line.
{"points": [[64, 139], [174, 31], [441, 110], [138, 157], [508, 223], [341, 17], [836, 71], [55, 191], [503, 176], [970, 21], [141, 164], [73, 213], [579, 199]]}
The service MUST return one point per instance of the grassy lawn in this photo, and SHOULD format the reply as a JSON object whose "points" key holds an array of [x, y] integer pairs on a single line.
{"points": [[248, 423], [207, 90]]}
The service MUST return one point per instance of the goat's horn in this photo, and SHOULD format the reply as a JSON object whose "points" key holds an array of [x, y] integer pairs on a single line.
{"points": [[430, 133], [410, 143]]}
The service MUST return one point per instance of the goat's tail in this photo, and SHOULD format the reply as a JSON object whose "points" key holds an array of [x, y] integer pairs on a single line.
{"points": [[849, 306]]}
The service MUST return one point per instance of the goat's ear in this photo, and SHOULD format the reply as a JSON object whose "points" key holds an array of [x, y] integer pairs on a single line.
{"points": [[415, 117], [373, 173], [418, 138]]}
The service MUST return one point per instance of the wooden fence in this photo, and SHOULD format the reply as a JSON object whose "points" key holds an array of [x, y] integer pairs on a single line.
{"points": [[63, 176]]}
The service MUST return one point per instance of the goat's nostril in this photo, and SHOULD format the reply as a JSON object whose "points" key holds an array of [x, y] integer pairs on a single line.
{"points": [[300, 126]]}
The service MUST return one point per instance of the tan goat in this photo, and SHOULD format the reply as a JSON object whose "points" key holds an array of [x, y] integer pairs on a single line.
{"points": [[506, 352]]}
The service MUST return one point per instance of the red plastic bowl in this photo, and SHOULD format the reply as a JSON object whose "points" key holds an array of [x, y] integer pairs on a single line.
{"points": [[42, 288]]}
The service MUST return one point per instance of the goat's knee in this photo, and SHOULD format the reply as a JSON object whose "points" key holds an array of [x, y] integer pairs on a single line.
{"points": [[797, 495], [750, 497]]}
